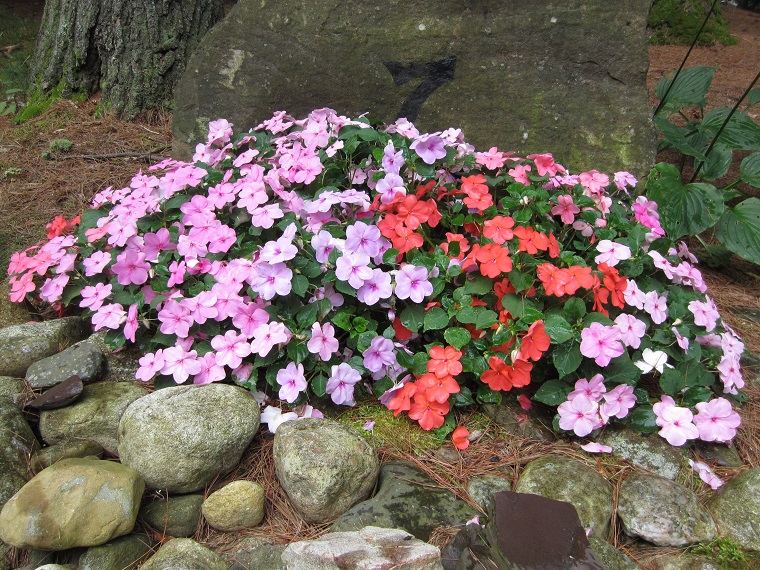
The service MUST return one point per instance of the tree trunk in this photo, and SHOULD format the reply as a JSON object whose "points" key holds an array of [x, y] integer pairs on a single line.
{"points": [[134, 51]]}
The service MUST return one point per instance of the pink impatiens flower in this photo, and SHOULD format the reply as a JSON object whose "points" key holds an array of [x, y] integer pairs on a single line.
{"points": [[266, 336], [632, 330], [676, 422], [412, 283], [108, 316], [180, 363], [429, 148], [580, 415], [565, 209], [706, 474], [602, 343], [94, 295], [593, 389], [323, 341], [716, 420], [611, 252], [705, 314], [131, 267], [292, 382], [230, 349], [617, 402], [340, 384]]}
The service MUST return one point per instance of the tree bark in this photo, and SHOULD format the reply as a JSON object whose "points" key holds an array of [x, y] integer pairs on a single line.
{"points": [[133, 51]]}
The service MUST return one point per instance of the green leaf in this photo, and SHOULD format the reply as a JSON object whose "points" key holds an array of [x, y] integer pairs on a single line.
{"points": [[89, 220], [750, 169], [420, 362], [520, 281], [312, 269], [718, 162], [695, 395], [672, 382], [412, 317], [345, 288], [457, 337], [754, 97], [567, 357], [739, 229], [463, 397], [552, 392], [478, 285], [365, 339], [435, 319], [485, 318], [741, 132], [516, 305], [389, 257], [622, 370], [342, 320], [574, 309], [675, 137], [643, 419], [300, 285], [558, 329], [115, 339], [684, 210], [307, 315], [319, 386], [690, 88], [467, 315], [487, 396], [297, 351]]}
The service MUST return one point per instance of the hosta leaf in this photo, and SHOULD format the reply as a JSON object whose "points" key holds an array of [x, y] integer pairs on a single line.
{"points": [[741, 132], [690, 87], [750, 170], [739, 229]]}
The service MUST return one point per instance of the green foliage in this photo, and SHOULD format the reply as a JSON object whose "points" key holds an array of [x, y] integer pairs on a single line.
{"points": [[727, 553], [708, 141], [678, 21], [17, 39]]}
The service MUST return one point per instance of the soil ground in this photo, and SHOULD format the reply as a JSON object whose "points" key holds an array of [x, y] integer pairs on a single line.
{"points": [[35, 187]]}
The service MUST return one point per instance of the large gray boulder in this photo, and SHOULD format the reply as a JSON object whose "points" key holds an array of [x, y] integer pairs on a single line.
{"points": [[23, 345], [176, 516], [94, 417], [736, 509], [123, 553], [540, 76], [371, 548], [663, 512], [564, 479], [324, 467], [75, 502], [181, 438]]}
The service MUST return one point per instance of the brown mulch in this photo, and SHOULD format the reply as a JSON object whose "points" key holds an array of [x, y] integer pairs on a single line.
{"points": [[65, 183]]}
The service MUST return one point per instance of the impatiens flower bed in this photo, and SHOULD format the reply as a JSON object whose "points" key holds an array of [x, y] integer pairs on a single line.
{"points": [[324, 257]]}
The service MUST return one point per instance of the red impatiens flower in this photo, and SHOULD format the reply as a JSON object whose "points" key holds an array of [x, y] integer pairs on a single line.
{"points": [[499, 229], [494, 260], [498, 376], [437, 389], [459, 438], [429, 413], [444, 361], [478, 194], [535, 342], [401, 401]]}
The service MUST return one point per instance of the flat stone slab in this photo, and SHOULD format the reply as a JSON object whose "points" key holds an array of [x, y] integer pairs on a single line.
{"points": [[541, 76]]}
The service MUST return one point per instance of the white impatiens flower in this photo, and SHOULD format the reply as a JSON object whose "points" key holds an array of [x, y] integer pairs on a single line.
{"points": [[653, 360], [612, 253], [274, 417]]}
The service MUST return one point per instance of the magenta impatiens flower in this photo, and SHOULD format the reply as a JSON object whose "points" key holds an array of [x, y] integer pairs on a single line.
{"points": [[429, 148], [180, 364], [270, 280], [131, 267], [716, 420], [230, 349], [94, 295], [108, 316]]}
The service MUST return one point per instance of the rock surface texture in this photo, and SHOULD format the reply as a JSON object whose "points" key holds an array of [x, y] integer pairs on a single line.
{"points": [[542, 76], [324, 467], [662, 512], [178, 440], [75, 502], [736, 509]]}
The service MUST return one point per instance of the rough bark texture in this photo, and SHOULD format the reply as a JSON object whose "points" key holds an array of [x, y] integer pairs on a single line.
{"points": [[133, 50]]}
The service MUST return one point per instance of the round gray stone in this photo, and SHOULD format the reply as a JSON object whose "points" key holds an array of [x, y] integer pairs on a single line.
{"points": [[181, 438], [75, 502], [324, 467], [23, 345], [94, 417], [84, 360], [663, 512], [564, 479], [123, 553], [184, 554], [236, 506], [176, 516]]}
